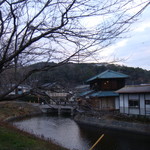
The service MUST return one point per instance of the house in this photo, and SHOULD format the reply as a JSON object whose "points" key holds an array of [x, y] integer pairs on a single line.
{"points": [[102, 95], [81, 89], [55, 91], [20, 89], [135, 100]]}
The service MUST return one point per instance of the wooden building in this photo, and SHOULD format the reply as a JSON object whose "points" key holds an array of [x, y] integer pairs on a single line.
{"points": [[107, 81], [135, 100], [102, 95]]}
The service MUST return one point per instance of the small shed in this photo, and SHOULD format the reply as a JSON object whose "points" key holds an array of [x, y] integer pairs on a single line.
{"points": [[135, 100]]}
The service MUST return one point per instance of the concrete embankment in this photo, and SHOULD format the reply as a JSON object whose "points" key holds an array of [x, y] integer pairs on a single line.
{"points": [[105, 122]]}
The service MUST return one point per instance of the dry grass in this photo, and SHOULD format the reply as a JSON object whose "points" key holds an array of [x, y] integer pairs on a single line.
{"points": [[11, 109]]}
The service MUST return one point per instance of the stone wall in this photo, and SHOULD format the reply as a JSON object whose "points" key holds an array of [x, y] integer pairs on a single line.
{"points": [[113, 124]]}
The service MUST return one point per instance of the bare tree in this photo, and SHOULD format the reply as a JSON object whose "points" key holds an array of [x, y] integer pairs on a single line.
{"points": [[57, 30]]}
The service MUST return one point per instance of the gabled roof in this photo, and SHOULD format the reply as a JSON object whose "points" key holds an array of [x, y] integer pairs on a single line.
{"points": [[135, 89], [108, 74], [52, 86]]}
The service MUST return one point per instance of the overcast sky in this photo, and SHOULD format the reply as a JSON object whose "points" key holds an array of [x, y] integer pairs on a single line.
{"points": [[136, 48]]}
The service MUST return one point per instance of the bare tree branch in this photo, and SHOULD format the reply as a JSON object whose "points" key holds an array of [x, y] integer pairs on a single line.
{"points": [[57, 30]]}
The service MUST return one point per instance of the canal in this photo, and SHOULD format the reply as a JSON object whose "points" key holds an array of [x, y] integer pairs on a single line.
{"points": [[66, 132]]}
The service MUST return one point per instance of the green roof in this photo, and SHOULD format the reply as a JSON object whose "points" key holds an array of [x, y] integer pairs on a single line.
{"points": [[92, 93], [104, 94], [108, 74], [86, 93]]}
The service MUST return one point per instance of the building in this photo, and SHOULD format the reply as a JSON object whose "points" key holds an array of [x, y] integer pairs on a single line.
{"points": [[135, 100], [102, 95], [56, 92], [20, 89]]}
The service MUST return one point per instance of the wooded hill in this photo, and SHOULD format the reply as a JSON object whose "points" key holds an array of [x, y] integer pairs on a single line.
{"points": [[71, 74]]}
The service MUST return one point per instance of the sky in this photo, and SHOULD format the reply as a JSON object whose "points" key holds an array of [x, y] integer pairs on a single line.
{"points": [[134, 51]]}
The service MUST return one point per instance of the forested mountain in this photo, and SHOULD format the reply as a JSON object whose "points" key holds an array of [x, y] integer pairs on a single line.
{"points": [[73, 74]]}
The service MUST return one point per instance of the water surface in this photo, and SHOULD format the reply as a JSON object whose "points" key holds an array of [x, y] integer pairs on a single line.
{"points": [[66, 132]]}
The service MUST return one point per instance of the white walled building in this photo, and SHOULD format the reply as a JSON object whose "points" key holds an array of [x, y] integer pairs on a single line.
{"points": [[135, 100]]}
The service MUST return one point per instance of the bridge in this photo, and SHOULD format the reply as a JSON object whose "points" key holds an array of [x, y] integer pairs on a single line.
{"points": [[51, 105], [60, 109]]}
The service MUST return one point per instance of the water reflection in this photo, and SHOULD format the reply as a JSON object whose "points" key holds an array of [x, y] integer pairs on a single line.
{"points": [[61, 130], [66, 132]]}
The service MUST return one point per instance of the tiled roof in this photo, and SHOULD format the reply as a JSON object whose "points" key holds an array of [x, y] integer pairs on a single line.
{"points": [[108, 74], [135, 89], [104, 94]]}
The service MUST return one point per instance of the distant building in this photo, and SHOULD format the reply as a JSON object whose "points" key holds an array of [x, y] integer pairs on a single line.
{"points": [[102, 95], [20, 89], [81, 89], [135, 100], [55, 91]]}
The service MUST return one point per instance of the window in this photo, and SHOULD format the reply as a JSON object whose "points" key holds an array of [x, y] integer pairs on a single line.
{"points": [[147, 102], [109, 85], [106, 85], [19, 90], [134, 103]]}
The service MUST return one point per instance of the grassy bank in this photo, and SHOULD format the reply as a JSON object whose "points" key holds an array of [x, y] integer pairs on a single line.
{"points": [[12, 138]]}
